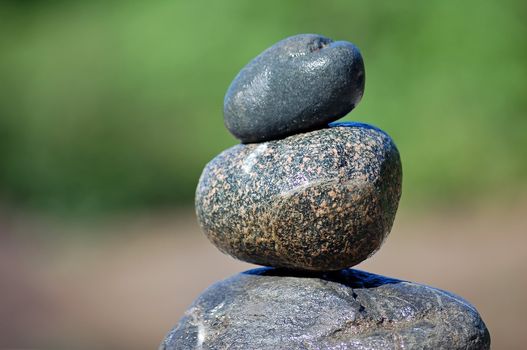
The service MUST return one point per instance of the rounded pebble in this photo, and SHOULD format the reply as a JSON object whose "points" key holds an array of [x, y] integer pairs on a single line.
{"points": [[299, 84], [322, 200]]}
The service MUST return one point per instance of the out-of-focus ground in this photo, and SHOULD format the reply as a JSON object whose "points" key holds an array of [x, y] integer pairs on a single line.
{"points": [[124, 283]]}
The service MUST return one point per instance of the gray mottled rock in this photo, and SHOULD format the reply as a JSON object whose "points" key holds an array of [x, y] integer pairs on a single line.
{"points": [[322, 200], [301, 83], [348, 309]]}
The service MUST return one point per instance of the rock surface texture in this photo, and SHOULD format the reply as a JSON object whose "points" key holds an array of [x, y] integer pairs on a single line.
{"points": [[349, 309], [322, 200], [299, 84], [310, 199]]}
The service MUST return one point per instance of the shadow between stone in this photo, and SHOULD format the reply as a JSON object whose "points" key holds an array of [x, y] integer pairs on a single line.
{"points": [[349, 277]]}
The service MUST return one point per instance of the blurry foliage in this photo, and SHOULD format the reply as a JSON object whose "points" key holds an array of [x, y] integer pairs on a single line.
{"points": [[112, 105]]}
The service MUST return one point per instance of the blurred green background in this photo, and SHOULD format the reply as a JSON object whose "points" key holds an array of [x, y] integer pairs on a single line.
{"points": [[108, 105], [109, 110]]}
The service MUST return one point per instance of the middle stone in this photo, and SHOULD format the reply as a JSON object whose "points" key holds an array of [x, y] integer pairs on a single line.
{"points": [[323, 200]]}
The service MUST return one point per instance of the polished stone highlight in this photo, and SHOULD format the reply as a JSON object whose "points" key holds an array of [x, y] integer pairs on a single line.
{"points": [[299, 84], [349, 309], [322, 200]]}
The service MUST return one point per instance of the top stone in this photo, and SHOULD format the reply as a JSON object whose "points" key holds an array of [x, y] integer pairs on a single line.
{"points": [[300, 84]]}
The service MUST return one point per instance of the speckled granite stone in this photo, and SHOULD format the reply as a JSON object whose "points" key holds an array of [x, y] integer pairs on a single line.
{"points": [[301, 83], [322, 200], [348, 309]]}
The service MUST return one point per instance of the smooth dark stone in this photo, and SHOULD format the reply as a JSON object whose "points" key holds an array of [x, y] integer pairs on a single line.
{"points": [[348, 309], [299, 84], [322, 200]]}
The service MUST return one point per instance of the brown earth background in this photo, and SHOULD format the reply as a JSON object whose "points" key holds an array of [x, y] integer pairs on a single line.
{"points": [[123, 283]]}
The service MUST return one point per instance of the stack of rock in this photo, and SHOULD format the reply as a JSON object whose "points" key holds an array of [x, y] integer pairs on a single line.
{"points": [[310, 198]]}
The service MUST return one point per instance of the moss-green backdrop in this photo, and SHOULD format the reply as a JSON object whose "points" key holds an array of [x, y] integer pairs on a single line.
{"points": [[118, 104]]}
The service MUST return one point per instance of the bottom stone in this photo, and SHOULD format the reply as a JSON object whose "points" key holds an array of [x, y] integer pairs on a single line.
{"points": [[349, 309]]}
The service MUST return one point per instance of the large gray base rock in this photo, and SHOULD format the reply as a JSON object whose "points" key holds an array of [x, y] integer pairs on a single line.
{"points": [[349, 309]]}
